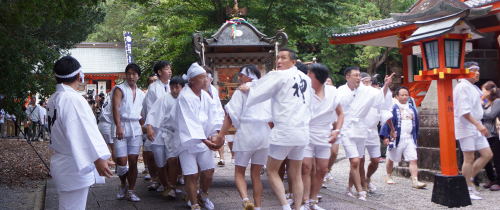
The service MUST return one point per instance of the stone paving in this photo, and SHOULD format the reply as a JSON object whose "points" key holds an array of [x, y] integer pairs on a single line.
{"points": [[224, 194]]}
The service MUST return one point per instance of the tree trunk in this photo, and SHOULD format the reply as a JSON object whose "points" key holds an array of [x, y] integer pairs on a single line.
{"points": [[395, 68]]}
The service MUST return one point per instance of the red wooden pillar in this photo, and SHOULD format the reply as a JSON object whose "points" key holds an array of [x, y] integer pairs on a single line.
{"points": [[112, 81], [405, 51]]}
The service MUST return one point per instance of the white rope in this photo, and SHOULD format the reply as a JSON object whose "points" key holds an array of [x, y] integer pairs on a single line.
{"points": [[203, 52], [276, 50], [79, 70]]}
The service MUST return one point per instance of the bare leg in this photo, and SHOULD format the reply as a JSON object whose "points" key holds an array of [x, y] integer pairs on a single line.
{"points": [[132, 172], [257, 184], [152, 165], [206, 179], [413, 168], [321, 167], [372, 167], [389, 166], [230, 145], [239, 178], [295, 176], [273, 166], [221, 152], [306, 176], [486, 155], [354, 174], [333, 157], [190, 182], [362, 171], [172, 165], [162, 175]]}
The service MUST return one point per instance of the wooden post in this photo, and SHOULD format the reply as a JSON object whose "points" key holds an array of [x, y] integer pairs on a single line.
{"points": [[447, 142]]}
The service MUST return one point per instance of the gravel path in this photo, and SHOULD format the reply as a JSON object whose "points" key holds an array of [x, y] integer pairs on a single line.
{"points": [[402, 195]]}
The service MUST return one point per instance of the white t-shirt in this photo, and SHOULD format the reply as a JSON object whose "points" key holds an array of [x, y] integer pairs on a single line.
{"points": [[2, 116], [406, 120], [43, 115]]}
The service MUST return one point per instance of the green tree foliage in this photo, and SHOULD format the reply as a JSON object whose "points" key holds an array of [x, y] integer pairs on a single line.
{"points": [[308, 23], [34, 35], [122, 16]]}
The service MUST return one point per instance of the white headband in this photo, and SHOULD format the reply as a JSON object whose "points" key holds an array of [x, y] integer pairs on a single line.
{"points": [[193, 71], [79, 70], [249, 73], [365, 78]]}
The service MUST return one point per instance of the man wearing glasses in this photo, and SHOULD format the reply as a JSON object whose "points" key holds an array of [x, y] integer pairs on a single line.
{"points": [[356, 102]]}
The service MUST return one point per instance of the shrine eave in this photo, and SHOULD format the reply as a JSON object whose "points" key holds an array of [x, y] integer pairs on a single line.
{"points": [[387, 32]]}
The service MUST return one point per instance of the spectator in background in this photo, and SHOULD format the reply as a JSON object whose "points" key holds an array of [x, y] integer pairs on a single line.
{"points": [[491, 112], [329, 81], [2, 116], [33, 113], [10, 124], [43, 119]]}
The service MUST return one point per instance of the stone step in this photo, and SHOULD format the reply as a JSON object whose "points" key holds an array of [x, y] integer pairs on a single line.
{"points": [[428, 137]]}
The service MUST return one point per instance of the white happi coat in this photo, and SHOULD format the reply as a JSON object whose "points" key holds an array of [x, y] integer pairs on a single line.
{"points": [[466, 99], [215, 98], [323, 116], [155, 91], [197, 119], [252, 122], [356, 105], [290, 92], [75, 138], [130, 111], [164, 126], [372, 120], [106, 116]]}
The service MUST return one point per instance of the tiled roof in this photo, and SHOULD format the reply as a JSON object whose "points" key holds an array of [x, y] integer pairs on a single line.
{"points": [[100, 60], [374, 26], [478, 3], [389, 23]]}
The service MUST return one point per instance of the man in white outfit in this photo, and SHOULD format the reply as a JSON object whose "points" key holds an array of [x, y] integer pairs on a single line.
{"points": [[126, 129], [469, 130], [80, 157], [197, 119], [356, 102], [322, 135], [290, 92], [155, 91]]}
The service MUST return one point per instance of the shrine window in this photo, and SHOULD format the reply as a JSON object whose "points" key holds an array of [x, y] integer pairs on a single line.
{"points": [[431, 51], [452, 50]]}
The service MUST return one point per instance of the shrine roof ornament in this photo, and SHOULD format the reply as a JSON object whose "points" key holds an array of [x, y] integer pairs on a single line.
{"points": [[431, 9], [238, 32], [455, 24]]}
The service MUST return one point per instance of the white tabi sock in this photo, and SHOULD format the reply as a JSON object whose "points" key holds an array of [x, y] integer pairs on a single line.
{"points": [[286, 207]]}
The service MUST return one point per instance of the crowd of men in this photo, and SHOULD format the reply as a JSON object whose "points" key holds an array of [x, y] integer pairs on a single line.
{"points": [[292, 120]]}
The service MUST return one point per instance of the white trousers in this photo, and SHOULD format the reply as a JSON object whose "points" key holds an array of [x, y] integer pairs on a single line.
{"points": [[73, 200]]}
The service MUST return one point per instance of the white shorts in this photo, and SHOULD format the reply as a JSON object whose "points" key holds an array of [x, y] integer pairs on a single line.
{"points": [[473, 143], [279, 152], [229, 138], [405, 147], [161, 154], [353, 147], [147, 145], [75, 199], [318, 151], [258, 157], [128, 146], [373, 151], [107, 138], [191, 161]]}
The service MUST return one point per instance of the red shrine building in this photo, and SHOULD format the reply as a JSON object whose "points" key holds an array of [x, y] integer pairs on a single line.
{"points": [[101, 62], [469, 30]]}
